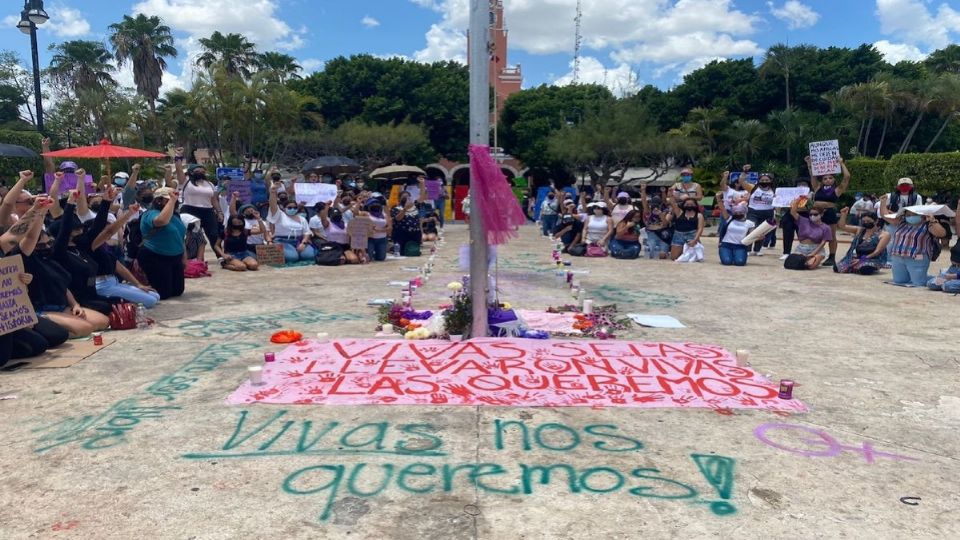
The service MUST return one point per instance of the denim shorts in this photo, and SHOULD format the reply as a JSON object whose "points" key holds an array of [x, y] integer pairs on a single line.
{"points": [[681, 238], [241, 255]]}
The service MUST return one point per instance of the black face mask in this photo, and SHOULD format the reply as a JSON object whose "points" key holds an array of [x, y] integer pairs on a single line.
{"points": [[623, 200], [275, 177], [43, 250], [336, 216], [690, 209], [655, 201], [146, 200], [766, 186], [248, 215], [159, 203], [376, 209], [196, 177], [868, 225], [551, 197]]}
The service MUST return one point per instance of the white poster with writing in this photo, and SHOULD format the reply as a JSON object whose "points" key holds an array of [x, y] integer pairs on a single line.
{"points": [[825, 157], [785, 196], [311, 194]]}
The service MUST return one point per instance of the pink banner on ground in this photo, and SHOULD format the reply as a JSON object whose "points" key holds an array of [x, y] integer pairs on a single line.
{"points": [[512, 372], [549, 322]]}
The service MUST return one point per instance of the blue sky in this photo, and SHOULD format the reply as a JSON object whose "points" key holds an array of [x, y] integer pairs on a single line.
{"points": [[626, 43]]}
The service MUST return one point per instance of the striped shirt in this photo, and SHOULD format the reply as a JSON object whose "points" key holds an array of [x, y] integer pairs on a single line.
{"points": [[912, 241]]}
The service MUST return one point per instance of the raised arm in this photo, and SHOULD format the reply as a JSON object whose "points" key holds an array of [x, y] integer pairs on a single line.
{"points": [[55, 210], [723, 207], [845, 183], [233, 203], [10, 199], [26, 231], [63, 235], [103, 213], [423, 189], [274, 186], [167, 213], [115, 227], [935, 228], [814, 180], [325, 216], [843, 226], [48, 165], [178, 165], [643, 199], [884, 210], [83, 205], [795, 209], [673, 205]]}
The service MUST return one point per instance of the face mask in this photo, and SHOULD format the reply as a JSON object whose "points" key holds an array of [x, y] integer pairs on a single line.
{"points": [[196, 177], [739, 217], [686, 179], [336, 216], [258, 176], [567, 219], [119, 182], [146, 200], [623, 200], [815, 219], [291, 211], [690, 209], [766, 186], [551, 197], [159, 203], [868, 225], [248, 215], [376, 209], [914, 220], [904, 189], [655, 201], [275, 178]]}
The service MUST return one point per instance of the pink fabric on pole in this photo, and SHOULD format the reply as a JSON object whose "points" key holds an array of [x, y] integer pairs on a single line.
{"points": [[500, 210]]}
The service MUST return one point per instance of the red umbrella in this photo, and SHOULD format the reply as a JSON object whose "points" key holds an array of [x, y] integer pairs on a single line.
{"points": [[104, 150]]}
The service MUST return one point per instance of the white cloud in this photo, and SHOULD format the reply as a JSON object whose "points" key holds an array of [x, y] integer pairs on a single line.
{"points": [[369, 22], [636, 31], [311, 65], [443, 44], [66, 21], [897, 52], [621, 80], [912, 22], [795, 13]]}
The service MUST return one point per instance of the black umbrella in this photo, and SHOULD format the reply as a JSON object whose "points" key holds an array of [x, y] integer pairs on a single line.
{"points": [[331, 165], [14, 151]]}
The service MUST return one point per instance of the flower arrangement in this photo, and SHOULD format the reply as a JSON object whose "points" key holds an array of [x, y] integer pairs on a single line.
{"points": [[458, 316], [600, 324]]}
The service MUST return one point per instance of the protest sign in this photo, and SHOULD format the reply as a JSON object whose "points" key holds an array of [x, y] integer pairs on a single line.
{"points": [[512, 372], [414, 192], [310, 194], [785, 196], [236, 181], [434, 188], [752, 177], [825, 157], [270, 255], [69, 182], [358, 229], [16, 310]]}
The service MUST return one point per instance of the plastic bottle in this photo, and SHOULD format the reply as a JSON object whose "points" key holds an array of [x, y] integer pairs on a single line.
{"points": [[142, 322], [396, 250]]}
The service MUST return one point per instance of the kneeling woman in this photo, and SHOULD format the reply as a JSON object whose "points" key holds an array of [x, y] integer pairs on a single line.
{"points": [[290, 230], [814, 235], [236, 255], [868, 249], [161, 255], [733, 230], [688, 225], [335, 232], [626, 238], [913, 244]]}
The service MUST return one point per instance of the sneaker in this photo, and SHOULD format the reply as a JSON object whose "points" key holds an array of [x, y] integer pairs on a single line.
{"points": [[758, 253], [751, 253], [784, 257], [831, 260]]}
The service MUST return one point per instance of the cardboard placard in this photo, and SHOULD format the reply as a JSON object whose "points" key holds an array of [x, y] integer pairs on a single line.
{"points": [[311, 194], [235, 181], [69, 182], [271, 255], [359, 229], [16, 310], [434, 188], [825, 157], [785, 196]]}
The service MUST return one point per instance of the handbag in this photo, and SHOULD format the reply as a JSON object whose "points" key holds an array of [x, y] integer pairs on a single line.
{"points": [[196, 269], [578, 250], [596, 251], [123, 316], [691, 254], [329, 255]]}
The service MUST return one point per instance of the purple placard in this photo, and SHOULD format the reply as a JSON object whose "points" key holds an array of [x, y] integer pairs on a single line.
{"points": [[242, 187], [69, 182], [433, 189]]}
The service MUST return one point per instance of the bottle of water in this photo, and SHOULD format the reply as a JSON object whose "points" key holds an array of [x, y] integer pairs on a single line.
{"points": [[396, 250], [142, 322]]}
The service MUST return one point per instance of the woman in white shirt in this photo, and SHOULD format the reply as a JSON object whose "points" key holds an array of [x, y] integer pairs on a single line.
{"points": [[290, 230], [733, 230], [200, 198], [597, 227], [621, 207], [760, 207], [335, 232]]}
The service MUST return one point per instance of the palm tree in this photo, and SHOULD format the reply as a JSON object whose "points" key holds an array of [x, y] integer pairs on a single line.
{"points": [[234, 52], [947, 104], [144, 42], [779, 60], [918, 97], [702, 123], [81, 66], [747, 138], [279, 67]]}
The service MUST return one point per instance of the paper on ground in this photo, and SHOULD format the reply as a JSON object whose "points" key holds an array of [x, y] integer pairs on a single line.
{"points": [[655, 321]]}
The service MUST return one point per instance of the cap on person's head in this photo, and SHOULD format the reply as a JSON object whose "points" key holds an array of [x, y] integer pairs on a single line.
{"points": [[194, 166], [623, 195], [244, 207], [162, 193], [904, 182], [123, 175], [569, 202], [68, 165]]}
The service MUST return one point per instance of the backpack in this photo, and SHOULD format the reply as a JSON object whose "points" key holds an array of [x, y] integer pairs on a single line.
{"points": [[196, 269], [411, 249], [329, 255]]}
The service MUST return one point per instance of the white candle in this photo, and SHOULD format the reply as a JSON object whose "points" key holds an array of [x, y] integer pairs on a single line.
{"points": [[388, 329], [256, 375], [743, 355], [587, 307]]}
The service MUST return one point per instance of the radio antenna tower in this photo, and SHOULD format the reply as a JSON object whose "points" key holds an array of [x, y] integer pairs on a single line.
{"points": [[576, 44]]}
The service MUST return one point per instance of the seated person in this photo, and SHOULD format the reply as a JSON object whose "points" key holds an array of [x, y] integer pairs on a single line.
{"points": [[813, 233], [949, 280], [428, 226], [868, 249], [569, 226], [626, 239]]}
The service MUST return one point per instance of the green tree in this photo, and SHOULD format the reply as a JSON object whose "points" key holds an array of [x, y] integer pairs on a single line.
{"points": [[279, 67], [233, 52], [145, 42], [81, 66], [947, 104], [946, 60], [20, 82], [378, 145]]}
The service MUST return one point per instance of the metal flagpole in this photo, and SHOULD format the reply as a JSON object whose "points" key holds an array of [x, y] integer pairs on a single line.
{"points": [[479, 134]]}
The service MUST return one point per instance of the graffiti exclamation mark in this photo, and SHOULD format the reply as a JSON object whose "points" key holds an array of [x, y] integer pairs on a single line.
{"points": [[718, 471]]}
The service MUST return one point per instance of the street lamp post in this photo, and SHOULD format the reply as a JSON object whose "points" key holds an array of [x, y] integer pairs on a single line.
{"points": [[32, 15]]}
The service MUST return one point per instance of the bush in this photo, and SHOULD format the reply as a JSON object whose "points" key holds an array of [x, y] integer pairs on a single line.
{"points": [[9, 167], [930, 172], [869, 176]]}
